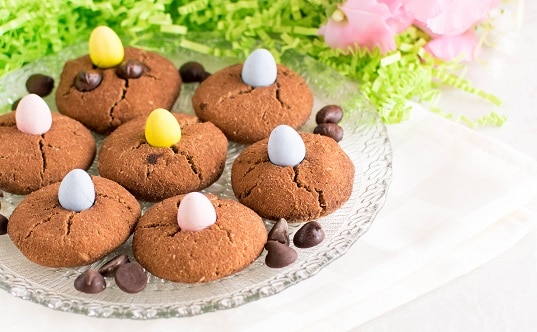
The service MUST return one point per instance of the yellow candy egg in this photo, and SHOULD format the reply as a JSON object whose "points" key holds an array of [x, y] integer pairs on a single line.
{"points": [[105, 47], [162, 129]]}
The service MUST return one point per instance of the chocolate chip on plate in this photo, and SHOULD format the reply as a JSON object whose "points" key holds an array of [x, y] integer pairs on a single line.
{"points": [[279, 255], [109, 268], [193, 72], [329, 114], [90, 282], [131, 277], [40, 84], [131, 68], [280, 232], [332, 130], [15, 104], [88, 80], [309, 235], [3, 224]]}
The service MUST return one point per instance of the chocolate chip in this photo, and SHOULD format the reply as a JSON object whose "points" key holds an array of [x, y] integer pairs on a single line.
{"points": [[15, 104], [109, 268], [309, 235], [40, 84], [131, 277], [130, 69], [332, 130], [279, 255], [152, 158], [279, 232], [3, 224], [193, 72], [329, 114], [88, 80], [90, 282]]}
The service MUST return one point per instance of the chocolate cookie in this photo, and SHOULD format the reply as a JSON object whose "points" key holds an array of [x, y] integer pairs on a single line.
{"points": [[228, 246], [317, 186], [246, 114], [153, 173], [50, 235], [30, 162], [116, 100]]}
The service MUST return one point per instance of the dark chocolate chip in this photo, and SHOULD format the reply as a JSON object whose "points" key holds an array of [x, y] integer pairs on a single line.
{"points": [[130, 69], [15, 104], [309, 235], [329, 114], [88, 80], [90, 282], [109, 268], [332, 130], [152, 158], [131, 277], [40, 84], [3, 224], [279, 255], [193, 72], [279, 232]]}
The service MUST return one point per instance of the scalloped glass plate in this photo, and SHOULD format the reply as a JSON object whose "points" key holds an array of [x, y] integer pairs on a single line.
{"points": [[365, 141]]}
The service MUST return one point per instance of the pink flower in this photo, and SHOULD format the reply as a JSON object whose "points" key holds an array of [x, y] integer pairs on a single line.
{"points": [[367, 23], [450, 23]]}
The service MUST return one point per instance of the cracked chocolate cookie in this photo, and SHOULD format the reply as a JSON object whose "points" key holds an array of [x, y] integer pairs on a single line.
{"points": [[246, 114], [103, 99], [232, 243], [29, 162], [152, 173], [50, 235], [317, 186]]}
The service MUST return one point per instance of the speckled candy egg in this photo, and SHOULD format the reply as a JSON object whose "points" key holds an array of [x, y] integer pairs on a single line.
{"points": [[33, 115], [195, 212], [77, 191], [285, 146], [259, 69]]}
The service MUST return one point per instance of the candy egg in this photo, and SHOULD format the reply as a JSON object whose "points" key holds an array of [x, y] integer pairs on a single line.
{"points": [[162, 129], [33, 115], [77, 192], [259, 69], [195, 212], [285, 146], [105, 47]]}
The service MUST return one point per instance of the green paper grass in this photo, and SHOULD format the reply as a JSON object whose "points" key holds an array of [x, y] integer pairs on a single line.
{"points": [[31, 29]]}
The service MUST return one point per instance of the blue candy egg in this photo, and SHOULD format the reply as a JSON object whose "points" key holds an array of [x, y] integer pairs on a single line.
{"points": [[77, 192], [285, 146], [259, 69]]}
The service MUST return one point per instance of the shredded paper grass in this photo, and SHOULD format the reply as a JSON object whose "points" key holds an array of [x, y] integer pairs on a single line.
{"points": [[31, 29]]}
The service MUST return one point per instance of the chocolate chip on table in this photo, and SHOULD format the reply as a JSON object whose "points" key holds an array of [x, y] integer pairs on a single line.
{"points": [[88, 80], [130, 277], [279, 255], [280, 232], [193, 72], [332, 130], [40, 84], [15, 104], [3, 224], [131, 68], [90, 282], [109, 268], [329, 114], [309, 235]]}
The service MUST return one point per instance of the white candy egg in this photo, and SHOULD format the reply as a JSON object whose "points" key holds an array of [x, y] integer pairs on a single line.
{"points": [[77, 191], [285, 146], [33, 115], [259, 69], [195, 212]]}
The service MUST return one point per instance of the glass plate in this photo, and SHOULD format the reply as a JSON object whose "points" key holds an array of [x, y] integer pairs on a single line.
{"points": [[365, 141]]}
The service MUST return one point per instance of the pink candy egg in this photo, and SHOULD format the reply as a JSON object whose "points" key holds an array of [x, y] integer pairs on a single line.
{"points": [[195, 212], [33, 115]]}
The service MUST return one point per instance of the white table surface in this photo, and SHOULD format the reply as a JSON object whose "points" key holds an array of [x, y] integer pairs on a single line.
{"points": [[500, 295]]}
